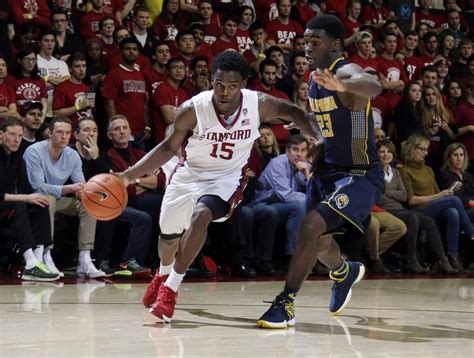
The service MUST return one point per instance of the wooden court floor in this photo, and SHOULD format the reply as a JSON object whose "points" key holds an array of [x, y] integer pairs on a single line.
{"points": [[385, 318]]}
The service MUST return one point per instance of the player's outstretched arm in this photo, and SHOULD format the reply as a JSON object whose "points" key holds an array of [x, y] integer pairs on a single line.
{"points": [[184, 122], [275, 110], [354, 86]]}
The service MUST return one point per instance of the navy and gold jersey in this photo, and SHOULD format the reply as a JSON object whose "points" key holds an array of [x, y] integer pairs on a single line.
{"points": [[348, 135]]}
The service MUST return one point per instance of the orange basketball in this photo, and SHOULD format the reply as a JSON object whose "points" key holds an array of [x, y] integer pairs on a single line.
{"points": [[104, 197]]}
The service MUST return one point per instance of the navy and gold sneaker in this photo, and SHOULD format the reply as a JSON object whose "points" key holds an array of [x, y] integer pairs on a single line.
{"points": [[281, 314], [345, 278]]}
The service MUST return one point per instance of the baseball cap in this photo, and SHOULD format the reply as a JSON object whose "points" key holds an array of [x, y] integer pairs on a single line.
{"points": [[27, 106]]}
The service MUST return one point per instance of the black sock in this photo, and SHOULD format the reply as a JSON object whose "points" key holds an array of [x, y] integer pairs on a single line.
{"points": [[289, 293]]}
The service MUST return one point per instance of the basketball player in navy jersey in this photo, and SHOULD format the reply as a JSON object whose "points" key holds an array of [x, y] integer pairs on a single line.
{"points": [[217, 129], [348, 178]]}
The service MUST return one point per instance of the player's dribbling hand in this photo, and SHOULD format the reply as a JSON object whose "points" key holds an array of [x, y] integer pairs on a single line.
{"points": [[327, 79]]}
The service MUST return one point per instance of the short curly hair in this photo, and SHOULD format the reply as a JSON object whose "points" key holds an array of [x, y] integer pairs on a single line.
{"points": [[231, 61]]}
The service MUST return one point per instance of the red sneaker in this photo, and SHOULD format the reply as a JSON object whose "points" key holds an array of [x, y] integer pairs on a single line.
{"points": [[163, 308], [152, 291]]}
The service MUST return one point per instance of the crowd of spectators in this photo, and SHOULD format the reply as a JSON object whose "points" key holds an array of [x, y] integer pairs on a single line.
{"points": [[89, 86]]}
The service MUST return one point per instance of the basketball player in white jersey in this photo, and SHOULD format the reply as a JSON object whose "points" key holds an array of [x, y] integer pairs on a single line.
{"points": [[218, 129]]}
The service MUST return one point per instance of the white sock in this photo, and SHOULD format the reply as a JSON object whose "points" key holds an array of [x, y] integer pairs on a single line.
{"points": [[84, 256], [165, 269], [174, 280], [39, 252], [30, 259], [47, 256]]}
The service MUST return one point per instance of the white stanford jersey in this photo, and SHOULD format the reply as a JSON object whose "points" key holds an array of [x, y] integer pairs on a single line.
{"points": [[217, 150]]}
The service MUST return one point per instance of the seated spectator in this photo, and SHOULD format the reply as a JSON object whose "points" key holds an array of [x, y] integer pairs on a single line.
{"points": [[405, 116], [256, 52], [282, 30], [228, 39], [454, 93], [298, 67], [168, 97], [246, 17], [96, 162], [424, 196], [300, 95], [394, 199], [28, 213], [126, 93], [267, 75], [379, 135], [50, 164], [202, 47], [267, 145], [437, 124], [53, 71], [383, 231], [464, 115], [66, 42], [283, 185], [156, 74], [146, 193], [26, 80], [37, 13], [167, 25], [200, 77], [455, 163], [31, 113], [73, 98], [7, 95]]}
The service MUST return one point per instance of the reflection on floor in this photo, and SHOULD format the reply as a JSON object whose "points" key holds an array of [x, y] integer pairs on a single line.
{"points": [[389, 318]]}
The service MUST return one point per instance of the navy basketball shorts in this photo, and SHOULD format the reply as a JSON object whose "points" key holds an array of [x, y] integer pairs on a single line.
{"points": [[336, 195]]}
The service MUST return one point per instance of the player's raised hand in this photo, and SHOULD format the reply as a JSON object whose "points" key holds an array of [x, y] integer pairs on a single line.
{"points": [[327, 79]]}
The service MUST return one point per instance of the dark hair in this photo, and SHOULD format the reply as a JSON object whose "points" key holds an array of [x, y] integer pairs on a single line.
{"points": [[46, 32], [198, 26], [104, 19], [196, 59], [158, 44], [183, 33], [388, 22], [295, 55], [469, 59], [78, 125], [10, 122], [451, 11], [429, 68], [16, 68], [173, 60], [404, 98], [264, 63], [130, 40], [142, 8], [120, 28], [332, 26], [297, 139], [76, 56], [256, 25], [411, 33], [58, 120], [228, 61], [59, 12], [243, 8], [271, 49], [429, 35], [229, 17], [387, 34], [175, 18]]}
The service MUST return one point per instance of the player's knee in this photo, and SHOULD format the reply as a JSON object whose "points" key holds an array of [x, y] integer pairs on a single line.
{"points": [[202, 215], [168, 248]]}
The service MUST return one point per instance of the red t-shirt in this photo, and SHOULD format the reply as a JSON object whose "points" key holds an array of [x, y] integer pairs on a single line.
{"points": [[7, 94], [165, 30], [392, 69], [433, 21], [116, 59], [28, 89], [213, 31], [283, 34], [339, 6], [380, 109], [305, 12], [281, 134], [464, 116], [153, 79], [90, 24], [112, 6], [266, 10], [369, 64], [243, 39], [413, 67], [205, 50], [426, 60], [67, 94], [127, 88], [220, 46], [165, 95], [35, 7]]}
